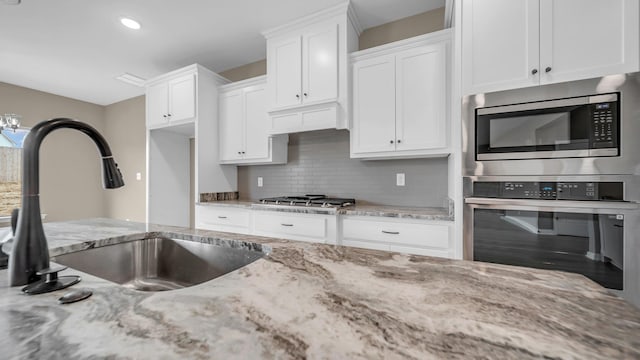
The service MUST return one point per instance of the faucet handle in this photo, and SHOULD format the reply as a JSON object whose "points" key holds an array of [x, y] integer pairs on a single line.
{"points": [[51, 271], [51, 281]]}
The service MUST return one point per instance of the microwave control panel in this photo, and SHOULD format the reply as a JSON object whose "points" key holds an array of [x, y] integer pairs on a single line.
{"points": [[565, 190], [604, 125]]}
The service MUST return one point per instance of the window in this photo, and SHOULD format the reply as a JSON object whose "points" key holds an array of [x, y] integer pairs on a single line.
{"points": [[11, 169]]}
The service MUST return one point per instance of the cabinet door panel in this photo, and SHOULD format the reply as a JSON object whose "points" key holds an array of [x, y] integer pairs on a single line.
{"points": [[320, 64], [421, 98], [257, 124], [500, 44], [587, 38], [285, 79], [374, 105], [157, 99], [182, 98], [231, 128]]}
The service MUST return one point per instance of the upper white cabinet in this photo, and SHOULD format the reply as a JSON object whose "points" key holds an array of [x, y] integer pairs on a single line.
{"points": [[305, 67], [400, 99], [182, 105], [171, 100], [244, 125], [307, 71], [508, 44]]}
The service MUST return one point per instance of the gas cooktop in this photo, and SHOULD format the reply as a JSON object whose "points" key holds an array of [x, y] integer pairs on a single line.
{"points": [[308, 200]]}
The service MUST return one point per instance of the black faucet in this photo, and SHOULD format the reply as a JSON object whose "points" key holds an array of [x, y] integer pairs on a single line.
{"points": [[30, 253]]}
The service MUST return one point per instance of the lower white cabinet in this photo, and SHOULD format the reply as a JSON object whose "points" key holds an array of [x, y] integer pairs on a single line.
{"points": [[408, 236], [303, 227], [223, 218], [420, 237]]}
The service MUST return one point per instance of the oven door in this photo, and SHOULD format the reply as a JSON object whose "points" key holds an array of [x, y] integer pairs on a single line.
{"points": [[584, 237]]}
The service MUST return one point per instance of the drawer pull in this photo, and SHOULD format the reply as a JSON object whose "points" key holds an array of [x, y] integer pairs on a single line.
{"points": [[286, 224], [390, 232], [222, 217]]}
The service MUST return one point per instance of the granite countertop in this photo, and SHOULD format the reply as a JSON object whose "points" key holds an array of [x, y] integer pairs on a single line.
{"points": [[308, 300], [418, 213]]}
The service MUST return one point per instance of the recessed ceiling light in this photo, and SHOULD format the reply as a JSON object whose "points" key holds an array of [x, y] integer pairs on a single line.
{"points": [[131, 24]]}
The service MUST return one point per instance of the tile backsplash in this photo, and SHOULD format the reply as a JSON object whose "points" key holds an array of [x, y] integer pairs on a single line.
{"points": [[319, 163]]}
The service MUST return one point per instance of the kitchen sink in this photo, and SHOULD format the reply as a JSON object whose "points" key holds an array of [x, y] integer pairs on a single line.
{"points": [[159, 264]]}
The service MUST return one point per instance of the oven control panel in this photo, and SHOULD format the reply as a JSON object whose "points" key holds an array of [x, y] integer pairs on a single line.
{"points": [[565, 190]]}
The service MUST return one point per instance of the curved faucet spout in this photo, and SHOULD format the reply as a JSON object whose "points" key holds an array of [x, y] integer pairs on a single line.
{"points": [[30, 252]]}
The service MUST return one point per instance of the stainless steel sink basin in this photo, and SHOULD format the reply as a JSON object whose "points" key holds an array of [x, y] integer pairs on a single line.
{"points": [[159, 264]]}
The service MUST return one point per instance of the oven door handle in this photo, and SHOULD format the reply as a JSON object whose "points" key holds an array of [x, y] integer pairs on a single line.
{"points": [[551, 205]]}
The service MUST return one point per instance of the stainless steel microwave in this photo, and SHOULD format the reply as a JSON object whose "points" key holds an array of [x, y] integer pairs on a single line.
{"points": [[577, 127]]}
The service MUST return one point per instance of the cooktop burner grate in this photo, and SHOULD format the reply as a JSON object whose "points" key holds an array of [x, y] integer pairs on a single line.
{"points": [[308, 200]]}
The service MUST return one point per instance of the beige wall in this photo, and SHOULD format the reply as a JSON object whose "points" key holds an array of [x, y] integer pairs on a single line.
{"points": [[125, 131], [70, 173], [411, 26], [246, 71]]}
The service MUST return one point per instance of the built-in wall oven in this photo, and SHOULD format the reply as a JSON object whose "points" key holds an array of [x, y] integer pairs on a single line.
{"points": [[570, 224], [552, 179]]}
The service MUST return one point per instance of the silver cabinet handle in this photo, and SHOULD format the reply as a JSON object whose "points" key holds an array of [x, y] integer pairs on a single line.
{"points": [[222, 217], [391, 232], [286, 224]]}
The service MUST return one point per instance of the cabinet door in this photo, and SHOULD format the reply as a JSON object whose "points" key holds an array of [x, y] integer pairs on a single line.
{"points": [[374, 105], [421, 107], [320, 64], [231, 127], [285, 75], [500, 45], [257, 124], [582, 39], [157, 99], [182, 98]]}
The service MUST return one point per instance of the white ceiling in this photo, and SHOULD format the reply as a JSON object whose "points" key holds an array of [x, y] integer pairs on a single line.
{"points": [[76, 48]]}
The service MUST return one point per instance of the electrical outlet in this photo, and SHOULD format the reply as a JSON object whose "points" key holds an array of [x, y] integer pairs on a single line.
{"points": [[260, 181], [138, 176], [400, 179]]}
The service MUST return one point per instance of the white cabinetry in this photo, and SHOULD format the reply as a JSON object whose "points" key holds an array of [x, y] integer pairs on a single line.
{"points": [[171, 101], [223, 218], [410, 236], [303, 227], [400, 99], [420, 237], [508, 44], [307, 71], [244, 126], [187, 98]]}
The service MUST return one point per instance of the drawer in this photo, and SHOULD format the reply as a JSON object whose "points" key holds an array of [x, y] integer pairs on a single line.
{"points": [[403, 234], [298, 226], [213, 218]]}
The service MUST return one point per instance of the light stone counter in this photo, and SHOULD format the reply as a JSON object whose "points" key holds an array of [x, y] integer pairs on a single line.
{"points": [[317, 301], [419, 213]]}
